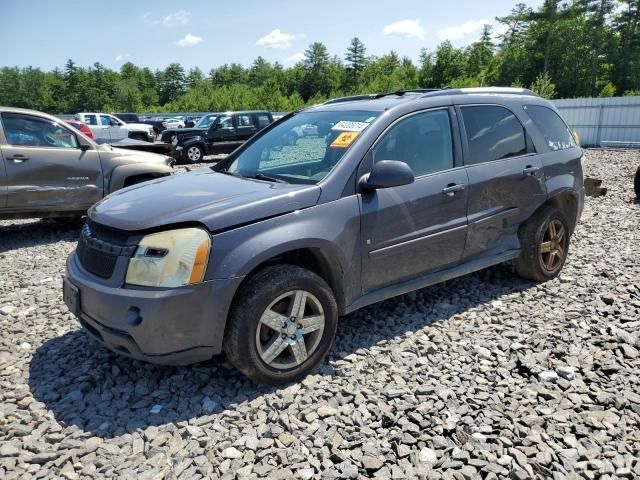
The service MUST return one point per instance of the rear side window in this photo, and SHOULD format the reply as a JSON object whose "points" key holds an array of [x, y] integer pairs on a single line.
{"points": [[555, 132], [493, 133], [90, 120], [263, 120], [244, 121]]}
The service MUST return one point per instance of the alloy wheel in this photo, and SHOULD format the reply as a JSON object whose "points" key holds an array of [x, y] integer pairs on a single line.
{"points": [[290, 330], [553, 247], [194, 154]]}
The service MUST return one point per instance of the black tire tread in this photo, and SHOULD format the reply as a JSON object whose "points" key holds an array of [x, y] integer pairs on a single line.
{"points": [[636, 183], [268, 282], [527, 264]]}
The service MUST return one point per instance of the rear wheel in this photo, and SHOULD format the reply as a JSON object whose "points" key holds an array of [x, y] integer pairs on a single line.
{"points": [[194, 154], [544, 242], [282, 324]]}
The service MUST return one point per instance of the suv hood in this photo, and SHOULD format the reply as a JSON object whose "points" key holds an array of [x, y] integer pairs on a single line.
{"points": [[214, 199], [139, 126]]}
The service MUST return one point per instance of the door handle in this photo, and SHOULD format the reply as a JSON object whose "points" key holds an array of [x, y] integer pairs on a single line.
{"points": [[530, 170], [18, 158], [452, 188]]}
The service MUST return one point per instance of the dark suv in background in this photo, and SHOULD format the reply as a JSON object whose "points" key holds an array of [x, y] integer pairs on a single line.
{"points": [[260, 254], [215, 133]]}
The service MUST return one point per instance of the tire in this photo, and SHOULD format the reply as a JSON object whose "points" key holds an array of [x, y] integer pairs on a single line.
{"points": [[636, 183], [266, 296], [547, 229], [193, 154], [139, 136]]}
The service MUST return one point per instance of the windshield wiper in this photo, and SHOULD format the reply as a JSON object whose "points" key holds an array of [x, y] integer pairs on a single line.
{"points": [[262, 176]]}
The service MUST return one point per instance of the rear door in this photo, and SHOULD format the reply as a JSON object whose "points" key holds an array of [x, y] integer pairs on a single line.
{"points": [[413, 229], [100, 132], [245, 126], [45, 167], [506, 181], [116, 127]]}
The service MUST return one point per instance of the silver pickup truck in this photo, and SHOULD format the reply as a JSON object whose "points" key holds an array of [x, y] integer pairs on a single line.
{"points": [[48, 168], [108, 128]]}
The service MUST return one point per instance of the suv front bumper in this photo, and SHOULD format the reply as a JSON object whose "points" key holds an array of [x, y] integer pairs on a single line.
{"points": [[170, 326]]}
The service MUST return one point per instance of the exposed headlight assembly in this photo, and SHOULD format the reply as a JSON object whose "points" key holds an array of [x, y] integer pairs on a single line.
{"points": [[170, 259]]}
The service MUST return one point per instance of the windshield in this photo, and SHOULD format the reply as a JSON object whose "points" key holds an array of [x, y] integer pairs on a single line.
{"points": [[302, 149], [206, 121]]}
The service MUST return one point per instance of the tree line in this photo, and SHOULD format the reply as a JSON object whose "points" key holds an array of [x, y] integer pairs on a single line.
{"points": [[581, 48]]}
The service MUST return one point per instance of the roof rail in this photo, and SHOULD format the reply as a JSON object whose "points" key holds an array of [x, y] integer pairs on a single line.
{"points": [[435, 92], [482, 90], [373, 96]]}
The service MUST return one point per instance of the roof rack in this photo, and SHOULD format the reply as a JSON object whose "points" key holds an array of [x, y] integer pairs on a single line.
{"points": [[434, 92], [374, 96], [482, 90]]}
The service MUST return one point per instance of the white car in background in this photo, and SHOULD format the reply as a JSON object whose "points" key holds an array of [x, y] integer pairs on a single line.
{"points": [[107, 128], [175, 122]]}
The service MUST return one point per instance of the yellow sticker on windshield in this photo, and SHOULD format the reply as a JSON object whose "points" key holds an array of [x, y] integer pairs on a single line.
{"points": [[344, 139]]}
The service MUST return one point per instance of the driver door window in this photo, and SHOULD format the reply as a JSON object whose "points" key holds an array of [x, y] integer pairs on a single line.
{"points": [[423, 141], [22, 130]]}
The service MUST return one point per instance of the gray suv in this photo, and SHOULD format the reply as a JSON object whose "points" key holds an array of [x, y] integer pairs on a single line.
{"points": [[48, 168], [259, 255]]}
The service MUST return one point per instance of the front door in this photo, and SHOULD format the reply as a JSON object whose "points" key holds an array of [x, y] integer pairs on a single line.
{"points": [[46, 168], [223, 135], [506, 181], [414, 229]]}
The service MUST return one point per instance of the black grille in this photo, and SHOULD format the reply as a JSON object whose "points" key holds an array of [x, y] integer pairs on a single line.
{"points": [[99, 248], [99, 263]]}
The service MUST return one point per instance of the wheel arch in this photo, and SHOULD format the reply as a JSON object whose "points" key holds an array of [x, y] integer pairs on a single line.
{"points": [[314, 259], [567, 202], [120, 175]]}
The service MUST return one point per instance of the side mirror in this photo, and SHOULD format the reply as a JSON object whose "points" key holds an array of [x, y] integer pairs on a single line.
{"points": [[386, 174], [85, 146]]}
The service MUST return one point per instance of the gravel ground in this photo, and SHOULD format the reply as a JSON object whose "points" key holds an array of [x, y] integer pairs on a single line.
{"points": [[487, 376]]}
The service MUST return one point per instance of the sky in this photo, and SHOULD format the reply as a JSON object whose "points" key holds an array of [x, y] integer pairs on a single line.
{"points": [[209, 33]]}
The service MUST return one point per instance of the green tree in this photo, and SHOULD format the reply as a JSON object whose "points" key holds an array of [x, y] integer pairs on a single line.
{"points": [[543, 86], [316, 65], [355, 58]]}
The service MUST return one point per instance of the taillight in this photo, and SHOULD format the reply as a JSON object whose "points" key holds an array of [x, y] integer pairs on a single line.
{"points": [[86, 130]]}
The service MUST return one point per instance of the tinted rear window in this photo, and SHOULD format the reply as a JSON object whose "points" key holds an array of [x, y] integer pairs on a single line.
{"points": [[555, 132], [493, 133]]}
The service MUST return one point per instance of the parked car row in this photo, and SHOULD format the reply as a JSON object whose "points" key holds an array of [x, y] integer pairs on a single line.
{"points": [[52, 167]]}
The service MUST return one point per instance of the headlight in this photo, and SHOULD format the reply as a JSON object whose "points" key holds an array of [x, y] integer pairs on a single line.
{"points": [[174, 140], [170, 259]]}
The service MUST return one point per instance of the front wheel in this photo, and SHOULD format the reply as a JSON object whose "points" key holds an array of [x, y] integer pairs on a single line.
{"points": [[194, 154], [282, 324], [544, 242]]}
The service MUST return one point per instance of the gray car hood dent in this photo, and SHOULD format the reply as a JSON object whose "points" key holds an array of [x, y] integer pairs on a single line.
{"points": [[216, 200]]}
